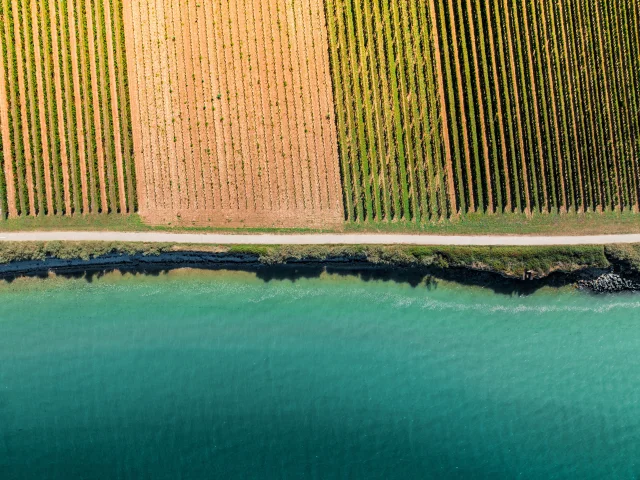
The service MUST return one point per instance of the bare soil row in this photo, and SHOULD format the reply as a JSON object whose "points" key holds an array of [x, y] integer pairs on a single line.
{"points": [[233, 119]]}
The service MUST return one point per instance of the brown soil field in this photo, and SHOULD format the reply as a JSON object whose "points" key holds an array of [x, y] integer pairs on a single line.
{"points": [[221, 130], [232, 109]]}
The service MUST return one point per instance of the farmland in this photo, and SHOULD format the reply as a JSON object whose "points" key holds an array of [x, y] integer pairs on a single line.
{"points": [[356, 114], [233, 112], [445, 108], [64, 111]]}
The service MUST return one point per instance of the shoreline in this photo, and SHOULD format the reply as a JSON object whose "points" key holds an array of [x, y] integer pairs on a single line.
{"points": [[489, 267]]}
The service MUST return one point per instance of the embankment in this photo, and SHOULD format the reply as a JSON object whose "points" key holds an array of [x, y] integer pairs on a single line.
{"points": [[511, 269]]}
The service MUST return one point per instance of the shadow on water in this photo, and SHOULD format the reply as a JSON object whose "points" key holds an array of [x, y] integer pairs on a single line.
{"points": [[294, 270]]}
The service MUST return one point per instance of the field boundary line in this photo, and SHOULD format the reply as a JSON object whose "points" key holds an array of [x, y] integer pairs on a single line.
{"points": [[320, 239]]}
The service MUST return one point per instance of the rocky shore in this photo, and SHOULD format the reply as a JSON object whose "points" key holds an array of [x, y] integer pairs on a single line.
{"points": [[609, 283]]}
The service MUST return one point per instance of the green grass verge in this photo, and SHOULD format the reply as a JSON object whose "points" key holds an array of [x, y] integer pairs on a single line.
{"points": [[515, 224], [626, 256], [120, 223], [470, 224], [507, 261], [25, 251]]}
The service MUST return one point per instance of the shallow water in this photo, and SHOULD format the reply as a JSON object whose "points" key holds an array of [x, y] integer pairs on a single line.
{"points": [[198, 375]]}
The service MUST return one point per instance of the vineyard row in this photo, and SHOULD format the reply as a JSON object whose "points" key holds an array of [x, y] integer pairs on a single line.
{"points": [[65, 130], [445, 107]]}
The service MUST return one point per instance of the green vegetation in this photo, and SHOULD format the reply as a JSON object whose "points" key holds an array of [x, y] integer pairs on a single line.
{"points": [[448, 108], [60, 60], [507, 261], [470, 224], [23, 251], [589, 223], [120, 223], [628, 256], [453, 117]]}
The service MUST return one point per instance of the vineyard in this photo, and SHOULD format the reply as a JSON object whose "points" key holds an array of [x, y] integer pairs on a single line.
{"points": [[65, 142], [446, 107], [307, 113], [233, 112]]}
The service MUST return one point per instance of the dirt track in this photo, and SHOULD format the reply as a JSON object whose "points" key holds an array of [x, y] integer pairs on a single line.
{"points": [[319, 239]]}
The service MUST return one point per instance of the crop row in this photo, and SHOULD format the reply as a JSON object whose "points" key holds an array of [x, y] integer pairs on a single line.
{"points": [[446, 107], [64, 109], [235, 111]]}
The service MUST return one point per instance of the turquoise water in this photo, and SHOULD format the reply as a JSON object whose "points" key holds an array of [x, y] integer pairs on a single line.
{"points": [[195, 375]]}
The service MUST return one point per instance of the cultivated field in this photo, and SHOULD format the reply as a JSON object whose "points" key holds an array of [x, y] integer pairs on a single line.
{"points": [[233, 112], [307, 113], [447, 107], [65, 125]]}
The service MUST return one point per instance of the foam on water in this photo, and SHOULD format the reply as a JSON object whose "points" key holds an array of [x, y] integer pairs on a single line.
{"points": [[222, 375]]}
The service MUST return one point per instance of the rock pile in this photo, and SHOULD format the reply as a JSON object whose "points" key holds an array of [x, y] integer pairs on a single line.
{"points": [[609, 283]]}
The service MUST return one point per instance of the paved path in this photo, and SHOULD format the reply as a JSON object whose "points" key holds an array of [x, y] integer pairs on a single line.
{"points": [[318, 239]]}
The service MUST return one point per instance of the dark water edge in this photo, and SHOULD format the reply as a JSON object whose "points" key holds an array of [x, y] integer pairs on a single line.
{"points": [[293, 269]]}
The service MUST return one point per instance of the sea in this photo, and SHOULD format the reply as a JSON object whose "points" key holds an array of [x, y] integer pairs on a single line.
{"points": [[225, 375]]}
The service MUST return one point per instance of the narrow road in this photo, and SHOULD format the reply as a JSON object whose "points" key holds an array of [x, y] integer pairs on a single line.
{"points": [[317, 239]]}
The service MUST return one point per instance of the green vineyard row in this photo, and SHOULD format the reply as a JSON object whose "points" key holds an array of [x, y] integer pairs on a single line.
{"points": [[66, 141], [446, 107], [442, 107]]}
